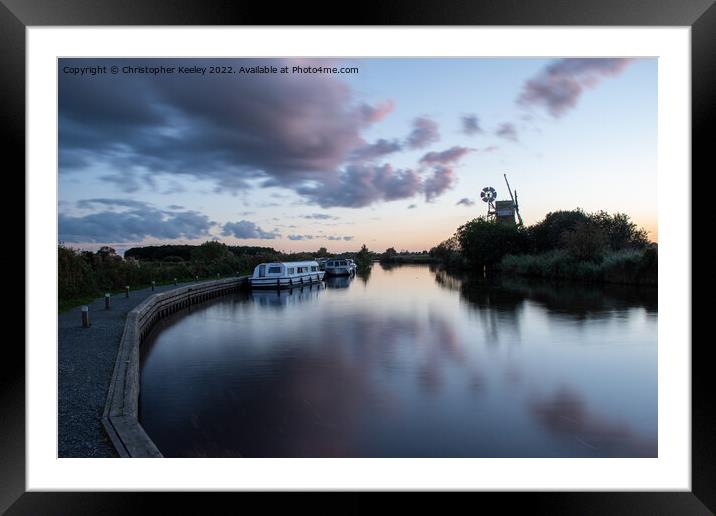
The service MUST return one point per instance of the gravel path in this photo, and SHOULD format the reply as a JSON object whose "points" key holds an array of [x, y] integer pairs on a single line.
{"points": [[86, 359]]}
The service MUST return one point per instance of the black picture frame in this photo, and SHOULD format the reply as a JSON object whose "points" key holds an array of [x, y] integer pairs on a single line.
{"points": [[17, 15]]}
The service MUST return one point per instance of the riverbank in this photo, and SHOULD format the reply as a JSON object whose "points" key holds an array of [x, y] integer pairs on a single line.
{"points": [[86, 358], [409, 258], [627, 267]]}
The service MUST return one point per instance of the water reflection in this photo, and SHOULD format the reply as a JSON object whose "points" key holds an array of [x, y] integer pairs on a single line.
{"points": [[283, 297], [496, 306], [364, 275], [404, 365], [566, 414], [580, 300], [338, 281]]}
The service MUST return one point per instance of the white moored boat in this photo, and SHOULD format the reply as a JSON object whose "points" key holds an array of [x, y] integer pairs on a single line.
{"points": [[339, 267], [353, 265], [285, 274]]}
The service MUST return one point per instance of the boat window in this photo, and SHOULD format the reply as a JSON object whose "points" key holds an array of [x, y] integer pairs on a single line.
{"points": [[314, 268], [342, 264], [291, 270], [274, 270]]}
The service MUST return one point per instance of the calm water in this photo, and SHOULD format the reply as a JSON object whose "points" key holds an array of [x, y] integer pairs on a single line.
{"points": [[407, 362]]}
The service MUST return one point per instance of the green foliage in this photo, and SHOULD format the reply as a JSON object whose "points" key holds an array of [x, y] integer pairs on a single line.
{"points": [[75, 277], [448, 252], [586, 241], [173, 259], [159, 252], [363, 258], [389, 254], [620, 232], [322, 253], [630, 266], [484, 242], [565, 244], [84, 275], [546, 235], [211, 252]]}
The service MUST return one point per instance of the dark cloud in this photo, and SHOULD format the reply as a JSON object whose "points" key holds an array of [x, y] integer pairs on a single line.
{"points": [[471, 125], [302, 132], [245, 229], [441, 180], [508, 131], [465, 202], [425, 132], [559, 85], [376, 150], [445, 157], [125, 220], [227, 128], [312, 237], [361, 185]]}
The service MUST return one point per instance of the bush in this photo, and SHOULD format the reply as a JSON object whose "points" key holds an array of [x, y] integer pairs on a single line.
{"points": [[546, 235], [75, 278], [172, 259], [620, 232], [483, 243], [363, 258], [585, 241], [634, 266]]}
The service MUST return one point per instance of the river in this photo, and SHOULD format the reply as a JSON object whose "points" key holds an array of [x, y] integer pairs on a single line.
{"points": [[407, 361]]}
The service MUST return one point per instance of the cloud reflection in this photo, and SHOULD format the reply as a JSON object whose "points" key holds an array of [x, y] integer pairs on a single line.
{"points": [[566, 415]]}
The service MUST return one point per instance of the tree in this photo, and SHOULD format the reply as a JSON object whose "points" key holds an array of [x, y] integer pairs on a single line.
{"points": [[484, 242], [211, 252], [619, 231], [322, 253], [586, 241], [389, 254], [106, 251], [363, 258], [546, 235]]}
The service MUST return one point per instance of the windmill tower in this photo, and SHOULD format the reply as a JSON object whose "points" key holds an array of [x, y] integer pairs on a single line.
{"points": [[502, 211]]}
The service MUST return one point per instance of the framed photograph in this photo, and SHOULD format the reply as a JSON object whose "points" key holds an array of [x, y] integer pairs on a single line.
{"points": [[436, 249]]}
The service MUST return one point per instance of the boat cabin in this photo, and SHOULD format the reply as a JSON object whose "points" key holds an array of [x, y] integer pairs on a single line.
{"points": [[282, 274]]}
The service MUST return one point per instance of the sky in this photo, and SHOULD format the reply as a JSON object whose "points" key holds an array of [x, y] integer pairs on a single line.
{"points": [[384, 152]]}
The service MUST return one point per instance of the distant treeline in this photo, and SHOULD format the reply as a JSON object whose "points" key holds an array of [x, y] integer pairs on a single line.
{"points": [[179, 253], [391, 256], [569, 244], [84, 275]]}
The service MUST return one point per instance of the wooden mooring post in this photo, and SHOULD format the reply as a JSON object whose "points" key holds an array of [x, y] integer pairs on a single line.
{"points": [[85, 316], [153, 285], [106, 301], [126, 291]]}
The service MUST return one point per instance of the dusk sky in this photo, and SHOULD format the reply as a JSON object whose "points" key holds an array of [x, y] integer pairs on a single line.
{"points": [[393, 155]]}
